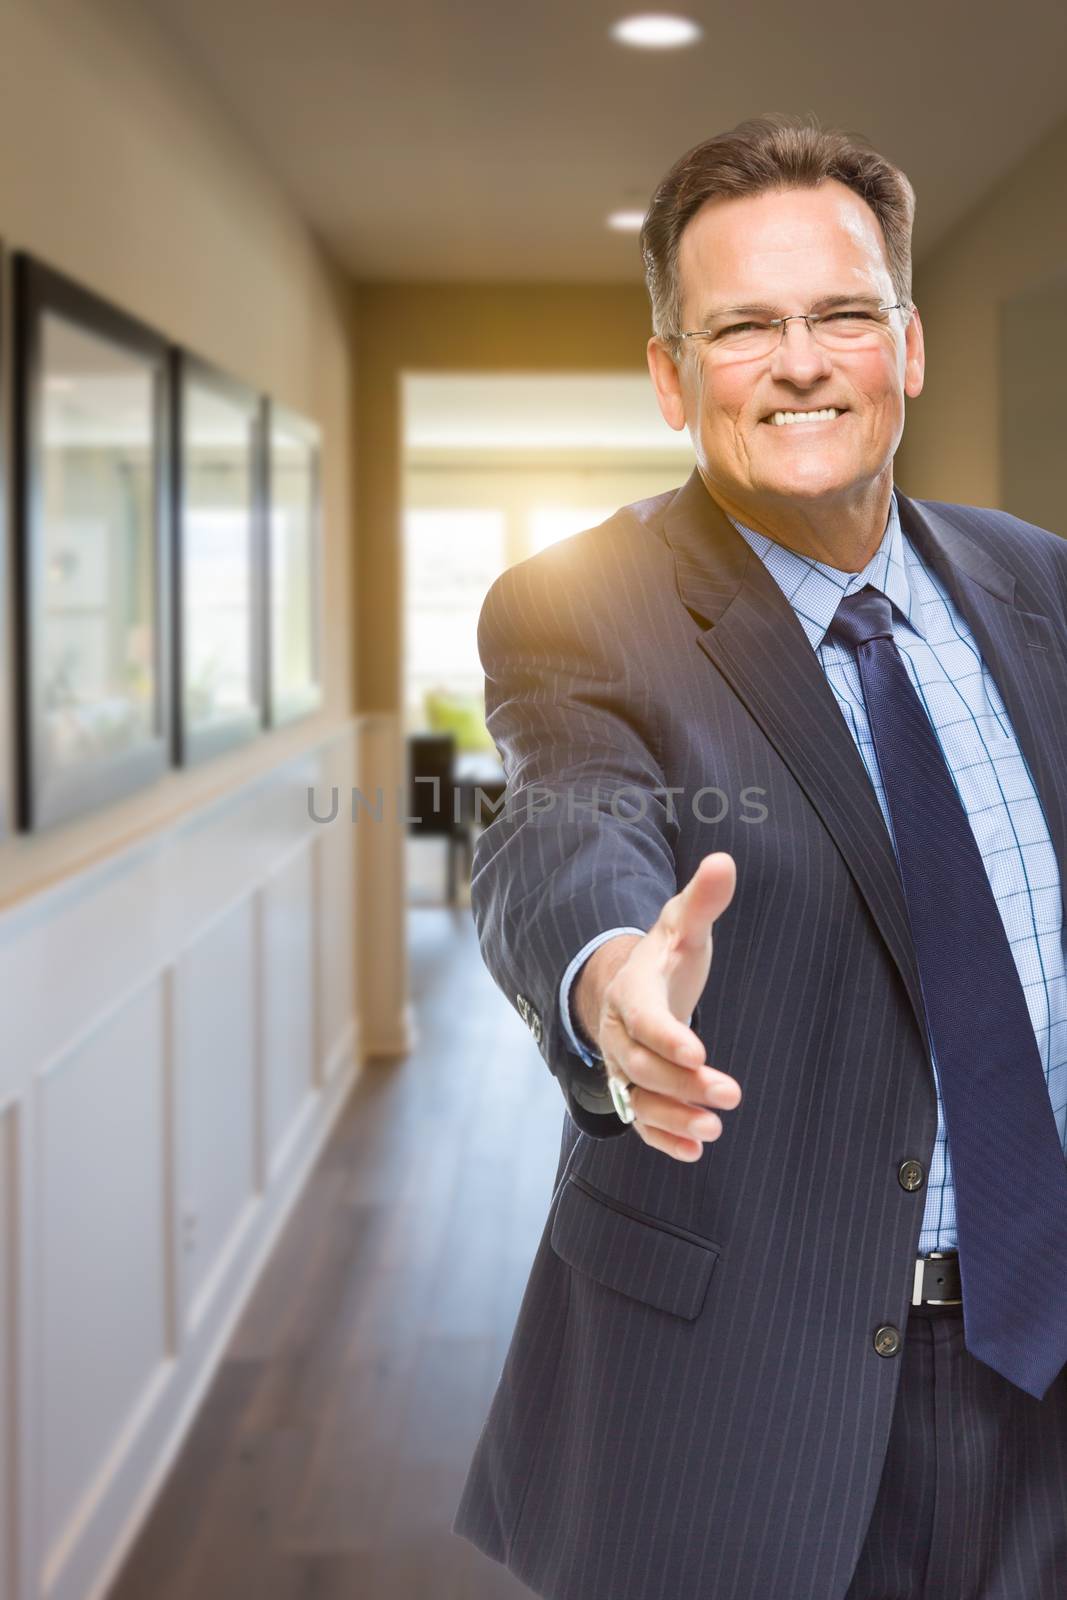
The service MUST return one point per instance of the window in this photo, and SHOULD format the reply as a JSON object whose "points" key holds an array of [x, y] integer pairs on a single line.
{"points": [[549, 523], [452, 558]]}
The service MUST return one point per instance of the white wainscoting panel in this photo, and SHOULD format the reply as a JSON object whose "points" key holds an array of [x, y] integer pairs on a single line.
{"points": [[217, 1093], [102, 1259], [337, 948], [9, 1155], [287, 982], [181, 1031]]}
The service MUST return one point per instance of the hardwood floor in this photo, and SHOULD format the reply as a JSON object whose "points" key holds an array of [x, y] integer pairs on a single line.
{"points": [[328, 1457]]}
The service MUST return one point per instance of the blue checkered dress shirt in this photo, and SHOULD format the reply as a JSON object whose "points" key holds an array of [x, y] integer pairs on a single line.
{"points": [[990, 773]]}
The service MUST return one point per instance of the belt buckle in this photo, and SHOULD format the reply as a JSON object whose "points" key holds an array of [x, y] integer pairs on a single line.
{"points": [[920, 1274]]}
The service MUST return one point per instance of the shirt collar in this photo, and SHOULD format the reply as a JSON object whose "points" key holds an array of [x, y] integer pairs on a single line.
{"points": [[815, 590]]}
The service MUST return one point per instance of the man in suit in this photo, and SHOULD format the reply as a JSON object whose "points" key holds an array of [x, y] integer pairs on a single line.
{"points": [[797, 1325]]}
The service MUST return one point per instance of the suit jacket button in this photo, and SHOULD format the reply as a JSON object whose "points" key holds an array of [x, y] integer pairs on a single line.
{"points": [[522, 1005], [535, 1027], [911, 1175], [887, 1340]]}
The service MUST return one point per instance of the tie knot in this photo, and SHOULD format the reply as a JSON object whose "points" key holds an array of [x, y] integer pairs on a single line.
{"points": [[862, 616]]}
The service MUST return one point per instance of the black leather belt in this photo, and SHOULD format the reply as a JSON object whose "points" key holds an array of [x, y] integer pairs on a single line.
{"points": [[937, 1279]]}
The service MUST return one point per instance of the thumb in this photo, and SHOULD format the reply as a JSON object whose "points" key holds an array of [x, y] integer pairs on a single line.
{"points": [[705, 898]]}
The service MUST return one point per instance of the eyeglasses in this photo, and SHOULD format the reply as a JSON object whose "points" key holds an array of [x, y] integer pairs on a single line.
{"points": [[844, 328]]}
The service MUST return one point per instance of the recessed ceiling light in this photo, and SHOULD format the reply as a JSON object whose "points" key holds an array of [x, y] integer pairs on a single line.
{"points": [[655, 30], [626, 221]]}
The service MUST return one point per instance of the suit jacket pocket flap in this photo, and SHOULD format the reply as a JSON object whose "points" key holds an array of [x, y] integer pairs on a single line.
{"points": [[638, 1256]]}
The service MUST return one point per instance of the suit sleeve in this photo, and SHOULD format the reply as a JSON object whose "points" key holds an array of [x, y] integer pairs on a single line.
{"points": [[584, 841]]}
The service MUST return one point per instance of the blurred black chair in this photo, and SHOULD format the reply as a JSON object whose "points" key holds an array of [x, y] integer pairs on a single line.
{"points": [[432, 803]]}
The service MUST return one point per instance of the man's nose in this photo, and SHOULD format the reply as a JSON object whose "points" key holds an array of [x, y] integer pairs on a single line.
{"points": [[798, 355]]}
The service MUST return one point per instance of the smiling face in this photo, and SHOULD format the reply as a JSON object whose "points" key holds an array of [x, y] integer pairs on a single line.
{"points": [[790, 251]]}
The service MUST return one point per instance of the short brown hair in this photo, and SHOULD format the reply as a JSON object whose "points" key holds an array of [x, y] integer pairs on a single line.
{"points": [[761, 154]]}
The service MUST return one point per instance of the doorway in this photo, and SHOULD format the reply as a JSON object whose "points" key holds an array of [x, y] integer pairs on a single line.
{"points": [[496, 467]]}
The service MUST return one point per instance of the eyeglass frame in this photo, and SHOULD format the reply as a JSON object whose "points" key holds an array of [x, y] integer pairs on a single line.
{"points": [[796, 316]]}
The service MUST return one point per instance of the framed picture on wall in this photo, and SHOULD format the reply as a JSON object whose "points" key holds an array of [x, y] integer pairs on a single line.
{"points": [[219, 587], [7, 768], [293, 565], [92, 440]]}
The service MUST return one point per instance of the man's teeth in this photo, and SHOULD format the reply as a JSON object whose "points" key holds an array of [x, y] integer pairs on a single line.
{"points": [[782, 418]]}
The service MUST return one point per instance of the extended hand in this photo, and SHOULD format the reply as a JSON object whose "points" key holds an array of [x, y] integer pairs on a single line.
{"points": [[641, 1031]]}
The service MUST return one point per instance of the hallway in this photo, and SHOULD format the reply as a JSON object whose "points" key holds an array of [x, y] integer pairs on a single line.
{"points": [[316, 323], [330, 1451]]}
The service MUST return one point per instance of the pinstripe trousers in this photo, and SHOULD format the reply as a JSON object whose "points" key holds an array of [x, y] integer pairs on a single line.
{"points": [[972, 1503]]}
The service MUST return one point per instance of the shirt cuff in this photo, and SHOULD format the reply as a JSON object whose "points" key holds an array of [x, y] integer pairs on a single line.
{"points": [[589, 1057]]}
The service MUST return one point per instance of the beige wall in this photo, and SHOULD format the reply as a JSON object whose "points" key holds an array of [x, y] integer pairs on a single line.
{"points": [[1014, 241], [461, 328], [118, 168]]}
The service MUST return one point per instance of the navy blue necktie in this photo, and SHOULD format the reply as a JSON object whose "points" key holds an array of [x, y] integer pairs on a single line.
{"points": [[1007, 1159]]}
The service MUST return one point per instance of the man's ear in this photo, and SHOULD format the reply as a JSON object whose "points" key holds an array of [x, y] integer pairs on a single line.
{"points": [[914, 357], [667, 383]]}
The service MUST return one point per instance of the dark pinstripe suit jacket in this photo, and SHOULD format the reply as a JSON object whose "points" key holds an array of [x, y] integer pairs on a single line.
{"points": [[692, 1404]]}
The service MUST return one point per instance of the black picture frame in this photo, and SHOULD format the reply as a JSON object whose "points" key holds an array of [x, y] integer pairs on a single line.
{"points": [[78, 574], [217, 622], [8, 712], [293, 561]]}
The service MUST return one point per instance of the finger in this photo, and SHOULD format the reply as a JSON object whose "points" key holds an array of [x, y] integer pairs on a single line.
{"points": [[672, 1116], [704, 898], [656, 1029], [651, 1070], [671, 1144]]}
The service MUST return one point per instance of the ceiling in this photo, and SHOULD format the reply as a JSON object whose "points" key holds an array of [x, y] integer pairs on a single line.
{"points": [[483, 141]]}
